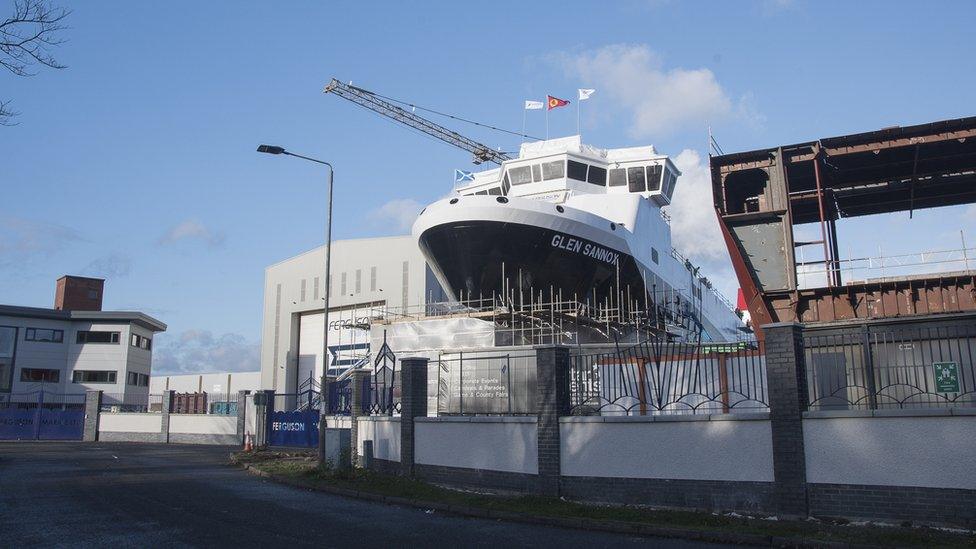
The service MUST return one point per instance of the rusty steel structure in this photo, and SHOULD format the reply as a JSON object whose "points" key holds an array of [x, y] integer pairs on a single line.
{"points": [[761, 195]]}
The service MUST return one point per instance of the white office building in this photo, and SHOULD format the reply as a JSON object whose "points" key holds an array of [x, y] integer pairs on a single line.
{"points": [[386, 274], [75, 346]]}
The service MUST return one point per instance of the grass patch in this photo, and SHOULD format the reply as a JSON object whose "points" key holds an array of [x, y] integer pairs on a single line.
{"points": [[300, 467]]}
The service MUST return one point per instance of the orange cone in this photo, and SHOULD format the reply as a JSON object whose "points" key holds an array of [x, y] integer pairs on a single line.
{"points": [[248, 445]]}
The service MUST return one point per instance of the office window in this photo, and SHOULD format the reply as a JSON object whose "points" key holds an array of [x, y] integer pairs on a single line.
{"points": [[144, 380], [40, 374], [42, 334], [98, 337], [372, 279], [132, 378], [140, 341], [92, 376]]}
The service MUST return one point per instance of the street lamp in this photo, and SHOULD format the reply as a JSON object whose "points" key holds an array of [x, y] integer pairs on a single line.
{"points": [[323, 386]]}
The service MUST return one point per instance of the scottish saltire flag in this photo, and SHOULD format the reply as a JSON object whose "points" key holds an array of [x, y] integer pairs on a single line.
{"points": [[461, 175]]}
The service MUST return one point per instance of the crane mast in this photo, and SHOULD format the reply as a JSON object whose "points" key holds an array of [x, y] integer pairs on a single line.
{"points": [[369, 100]]}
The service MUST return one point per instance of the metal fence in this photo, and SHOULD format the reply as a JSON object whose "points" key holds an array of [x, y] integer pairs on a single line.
{"points": [[127, 402], [664, 378], [892, 367], [382, 394], [43, 400], [486, 383]]}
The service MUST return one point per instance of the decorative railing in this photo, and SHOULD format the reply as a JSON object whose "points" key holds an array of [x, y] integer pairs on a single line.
{"points": [[663, 378]]}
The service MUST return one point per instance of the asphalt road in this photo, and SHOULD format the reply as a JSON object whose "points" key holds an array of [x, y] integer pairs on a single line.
{"points": [[156, 495]]}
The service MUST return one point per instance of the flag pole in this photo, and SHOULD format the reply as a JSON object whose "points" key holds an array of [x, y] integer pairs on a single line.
{"points": [[578, 107], [547, 122], [523, 125]]}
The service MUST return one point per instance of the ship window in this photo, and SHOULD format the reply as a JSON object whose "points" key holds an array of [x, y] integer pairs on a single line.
{"points": [[576, 170], [495, 191], [536, 173], [669, 180], [635, 179], [506, 185], [553, 170], [654, 256], [653, 178], [597, 176], [520, 176], [618, 177], [482, 192]]}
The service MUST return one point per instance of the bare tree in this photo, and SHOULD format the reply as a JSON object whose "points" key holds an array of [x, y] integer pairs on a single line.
{"points": [[26, 41]]}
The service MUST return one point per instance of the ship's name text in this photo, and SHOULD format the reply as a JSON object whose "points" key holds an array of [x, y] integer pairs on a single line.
{"points": [[576, 245]]}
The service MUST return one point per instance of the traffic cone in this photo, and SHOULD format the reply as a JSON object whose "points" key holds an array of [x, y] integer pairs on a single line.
{"points": [[248, 445]]}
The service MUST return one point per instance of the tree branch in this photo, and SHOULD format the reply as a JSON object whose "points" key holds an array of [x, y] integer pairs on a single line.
{"points": [[27, 39]]}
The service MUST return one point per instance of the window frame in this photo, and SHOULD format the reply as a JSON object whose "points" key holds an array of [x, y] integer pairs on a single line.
{"points": [[589, 178], [610, 178], [520, 170], [114, 337], [30, 334], [57, 375], [639, 171], [571, 164], [110, 375], [559, 174]]}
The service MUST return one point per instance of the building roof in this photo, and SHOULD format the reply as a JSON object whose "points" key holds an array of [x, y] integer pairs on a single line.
{"points": [[134, 317]]}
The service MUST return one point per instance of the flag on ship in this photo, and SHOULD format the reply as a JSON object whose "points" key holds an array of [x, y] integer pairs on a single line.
{"points": [[585, 93], [533, 105], [461, 175]]}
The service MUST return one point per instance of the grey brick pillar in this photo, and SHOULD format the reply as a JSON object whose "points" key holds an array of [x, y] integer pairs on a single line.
{"points": [[167, 409], [412, 405], [93, 406], [242, 414], [552, 401], [357, 380], [788, 398]]}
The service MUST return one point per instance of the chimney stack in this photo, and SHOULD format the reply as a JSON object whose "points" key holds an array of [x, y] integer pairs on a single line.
{"points": [[79, 293]]}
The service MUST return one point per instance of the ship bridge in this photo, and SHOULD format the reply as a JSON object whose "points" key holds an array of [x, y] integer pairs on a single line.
{"points": [[558, 168]]}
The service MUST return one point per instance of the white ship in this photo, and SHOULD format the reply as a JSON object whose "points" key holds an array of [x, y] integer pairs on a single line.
{"points": [[573, 219]]}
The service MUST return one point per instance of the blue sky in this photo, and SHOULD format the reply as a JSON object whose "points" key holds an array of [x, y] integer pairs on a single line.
{"points": [[137, 162]]}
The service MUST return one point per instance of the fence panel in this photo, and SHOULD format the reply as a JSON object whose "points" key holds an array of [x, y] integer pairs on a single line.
{"points": [[871, 368], [486, 384], [658, 378], [41, 415]]}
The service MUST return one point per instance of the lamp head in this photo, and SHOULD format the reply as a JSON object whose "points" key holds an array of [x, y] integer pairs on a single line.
{"points": [[270, 149]]}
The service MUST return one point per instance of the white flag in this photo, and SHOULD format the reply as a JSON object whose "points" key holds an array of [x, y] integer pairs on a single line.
{"points": [[533, 105], [585, 94]]}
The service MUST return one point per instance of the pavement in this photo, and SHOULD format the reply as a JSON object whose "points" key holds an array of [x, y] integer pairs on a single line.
{"points": [[170, 495]]}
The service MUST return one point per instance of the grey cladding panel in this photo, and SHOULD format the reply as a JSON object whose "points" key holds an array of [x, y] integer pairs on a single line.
{"points": [[765, 252]]}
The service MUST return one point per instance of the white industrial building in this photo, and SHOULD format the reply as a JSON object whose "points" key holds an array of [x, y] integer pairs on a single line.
{"points": [[75, 346], [215, 383], [386, 274]]}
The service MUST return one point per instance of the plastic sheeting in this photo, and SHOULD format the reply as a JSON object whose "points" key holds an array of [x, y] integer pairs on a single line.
{"points": [[433, 334]]}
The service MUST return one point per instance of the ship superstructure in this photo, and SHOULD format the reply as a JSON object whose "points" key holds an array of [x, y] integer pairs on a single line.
{"points": [[583, 223]]}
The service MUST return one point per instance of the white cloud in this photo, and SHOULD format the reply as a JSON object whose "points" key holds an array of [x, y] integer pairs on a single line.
{"points": [[192, 229], [660, 99], [397, 214], [110, 266], [22, 239], [198, 351], [694, 227]]}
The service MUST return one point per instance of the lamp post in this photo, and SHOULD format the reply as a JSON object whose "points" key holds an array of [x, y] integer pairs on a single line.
{"points": [[324, 384]]}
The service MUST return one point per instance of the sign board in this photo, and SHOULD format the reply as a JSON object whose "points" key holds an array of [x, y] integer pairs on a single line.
{"points": [[946, 377]]}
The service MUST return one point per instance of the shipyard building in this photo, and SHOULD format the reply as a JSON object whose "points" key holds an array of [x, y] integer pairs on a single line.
{"points": [[386, 274]]}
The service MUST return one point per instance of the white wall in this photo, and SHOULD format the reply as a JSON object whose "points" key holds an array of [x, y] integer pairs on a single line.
{"points": [[673, 447], [385, 434], [215, 382], [129, 423], [929, 451], [491, 443], [202, 424]]}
